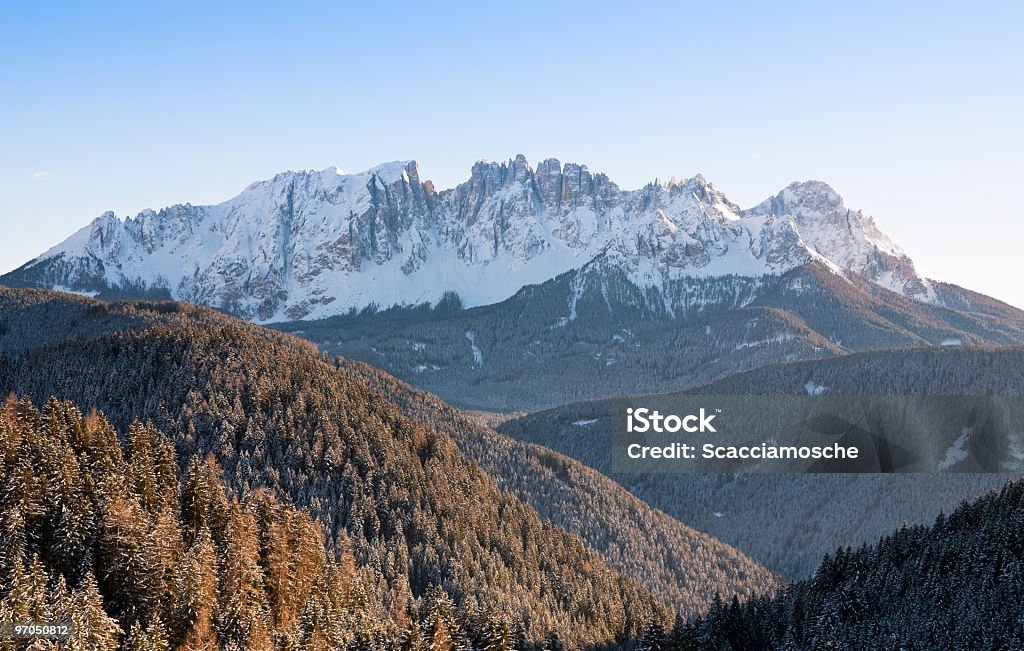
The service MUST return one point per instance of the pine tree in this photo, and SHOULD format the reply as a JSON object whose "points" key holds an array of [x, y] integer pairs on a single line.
{"points": [[152, 637], [652, 638], [95, 630], [441, 631], [410, 638], [497, 636], [156, 635], [165, 473], [362, 641], [163, 551], [74, 527], [39, 603], [135, 640], [197, 595], [242, 610], [12, 545], [61, 602], [684, 637], [553, 642], [203, 504], [140, 444], [126, 571], [325, 621]]}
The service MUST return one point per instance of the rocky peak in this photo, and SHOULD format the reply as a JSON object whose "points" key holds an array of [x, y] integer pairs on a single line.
{"points": [[800, 199], [311, 244], [549, 181]]}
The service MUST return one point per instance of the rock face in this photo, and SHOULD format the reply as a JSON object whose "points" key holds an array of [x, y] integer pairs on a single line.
{"points": [[314, 244], [848, 238]]}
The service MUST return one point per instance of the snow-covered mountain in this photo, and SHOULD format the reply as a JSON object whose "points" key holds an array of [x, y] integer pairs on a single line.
{"points": [[313, 244]]}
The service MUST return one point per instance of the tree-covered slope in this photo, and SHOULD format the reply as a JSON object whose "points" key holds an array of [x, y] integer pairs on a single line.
{"points": [[788, 522], [104, 537], [530, 351], [684, 567], [278, 417], [101, 534], [377, 463], [958, 584], [936, 370]]}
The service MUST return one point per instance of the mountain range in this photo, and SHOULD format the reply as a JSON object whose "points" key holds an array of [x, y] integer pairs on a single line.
{"points": [[526, 354], [500, 293], [315, 244], [546, 290]]}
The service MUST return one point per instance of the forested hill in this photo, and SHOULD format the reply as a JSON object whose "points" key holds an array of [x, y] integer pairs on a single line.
{"points": [[530, 351], [416, 511], [935, 370], [788, 522], [683, 567], [958, 584], [103, 535]]}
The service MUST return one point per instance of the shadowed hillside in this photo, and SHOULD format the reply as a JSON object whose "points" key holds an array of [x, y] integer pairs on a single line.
{"points": [[276, 416], [788, 522]]}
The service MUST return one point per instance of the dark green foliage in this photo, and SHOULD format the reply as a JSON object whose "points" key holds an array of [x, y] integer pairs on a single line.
{"points": [[553, 643], [652, 638], [958, 584]]}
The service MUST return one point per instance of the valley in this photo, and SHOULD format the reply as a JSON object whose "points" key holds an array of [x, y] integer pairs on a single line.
{"points": [[430, 374]]}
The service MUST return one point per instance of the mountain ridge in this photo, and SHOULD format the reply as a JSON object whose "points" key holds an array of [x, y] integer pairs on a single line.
{"points": [[313, 244], [596, 323]]}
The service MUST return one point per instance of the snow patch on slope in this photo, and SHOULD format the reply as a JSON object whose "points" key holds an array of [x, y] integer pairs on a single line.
{"points": [[814, 389], [957, 452], [478, 356]]}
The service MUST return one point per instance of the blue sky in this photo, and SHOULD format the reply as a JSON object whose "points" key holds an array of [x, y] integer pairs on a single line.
{"points": [[911, 110]]}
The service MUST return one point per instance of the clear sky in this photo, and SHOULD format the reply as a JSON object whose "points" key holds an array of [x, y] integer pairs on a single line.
{"points": [[911, 110]]}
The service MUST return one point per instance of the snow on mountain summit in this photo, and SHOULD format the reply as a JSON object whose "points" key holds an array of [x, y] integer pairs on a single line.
{"points": [[315, 243], [848, 238]]}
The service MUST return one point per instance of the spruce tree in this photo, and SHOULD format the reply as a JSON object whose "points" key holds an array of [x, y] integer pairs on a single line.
{"points": [[95, 630], [652, 638]]}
